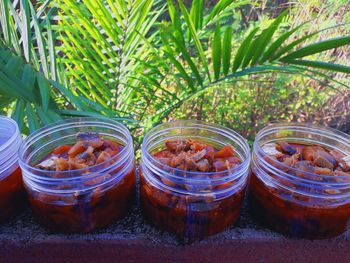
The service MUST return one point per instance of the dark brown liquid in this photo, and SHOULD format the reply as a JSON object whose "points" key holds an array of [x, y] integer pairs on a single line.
{"points": [[279, 211], [188, 216], [12, 195], [89, 211]]}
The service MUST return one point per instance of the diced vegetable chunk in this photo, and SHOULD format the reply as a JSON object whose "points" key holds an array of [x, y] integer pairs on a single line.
{"points": [[89, 150], [190, 155], [308, 158], [226, 151]]}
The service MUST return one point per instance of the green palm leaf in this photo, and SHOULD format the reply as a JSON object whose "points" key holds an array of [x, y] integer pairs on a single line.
{"points": [[28, 72]]}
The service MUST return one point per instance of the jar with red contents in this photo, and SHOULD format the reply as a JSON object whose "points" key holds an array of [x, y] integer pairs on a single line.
{"points": [[305, 191], [79, 173], [12, 194], [190, 203]]}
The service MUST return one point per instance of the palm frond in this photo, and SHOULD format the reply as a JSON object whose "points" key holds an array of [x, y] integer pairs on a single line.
{"points": [[103, 44], [262, 50], [28, 72]]}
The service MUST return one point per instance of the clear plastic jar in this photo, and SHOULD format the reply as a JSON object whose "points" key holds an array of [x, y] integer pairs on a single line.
{"points": [[85, 199], [192, 204], [296, 202], [12, 194]]}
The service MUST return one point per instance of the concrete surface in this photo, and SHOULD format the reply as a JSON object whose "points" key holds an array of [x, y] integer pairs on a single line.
{"points": [[133, 240]]}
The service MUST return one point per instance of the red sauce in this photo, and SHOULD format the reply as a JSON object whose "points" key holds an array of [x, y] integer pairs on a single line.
{"points": [[188, 215], [12, 194], [84, 211], [302, 215]]}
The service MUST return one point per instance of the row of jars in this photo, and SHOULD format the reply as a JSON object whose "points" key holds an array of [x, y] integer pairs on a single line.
{"points": [[189, 204]]}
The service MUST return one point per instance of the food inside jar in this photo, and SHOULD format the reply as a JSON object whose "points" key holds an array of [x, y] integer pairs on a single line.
{"points": [[12, 194], [195, 156], [109, 197], [89, 150], [290, 209], [200, 212], [313, 159]]}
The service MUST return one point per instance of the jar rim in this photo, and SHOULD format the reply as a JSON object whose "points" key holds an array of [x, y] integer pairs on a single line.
{"points": [[258, 148], [193, 123], [65, 124], [13, 137]]}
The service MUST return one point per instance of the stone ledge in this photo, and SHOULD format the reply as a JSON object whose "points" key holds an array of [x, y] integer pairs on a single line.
{"points": [[132, 239]]}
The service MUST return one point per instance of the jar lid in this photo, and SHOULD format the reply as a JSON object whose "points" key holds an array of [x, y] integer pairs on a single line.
{"points": [[10, 140]]}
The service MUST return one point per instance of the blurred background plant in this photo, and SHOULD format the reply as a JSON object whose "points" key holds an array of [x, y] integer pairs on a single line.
{"points": [[30, 78], [249, 105], [238, 63]]}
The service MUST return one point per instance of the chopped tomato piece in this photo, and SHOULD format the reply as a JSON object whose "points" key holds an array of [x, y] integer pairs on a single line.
{"points": [[77, 148], [111, 152], [61, 149], [315, 159], [90, 149], [104, 156], [210, 153], [61, 164], [114, 146], [163, 154], [178, 145], [233, 160], [197, 146], [190, 155], [226, 151], [219, 165], [308, 153]]}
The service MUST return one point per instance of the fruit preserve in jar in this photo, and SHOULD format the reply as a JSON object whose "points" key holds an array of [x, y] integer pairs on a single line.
{"points": [[12, 194], [193, 177], [79, 173], [300, 184]]}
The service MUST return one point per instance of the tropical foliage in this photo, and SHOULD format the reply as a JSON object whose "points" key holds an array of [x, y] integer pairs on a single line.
{"points": [[29, 78], [144, 60]]}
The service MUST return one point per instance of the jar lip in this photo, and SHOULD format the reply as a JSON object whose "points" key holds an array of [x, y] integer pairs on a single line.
{"points": [[258, 148], [66, 122], [13, 137], [193, 123]]}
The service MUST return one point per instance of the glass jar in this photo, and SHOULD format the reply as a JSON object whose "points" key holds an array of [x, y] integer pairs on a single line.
{"points": [[85, 199], [293, 201], [12, 194], [192, 204]]}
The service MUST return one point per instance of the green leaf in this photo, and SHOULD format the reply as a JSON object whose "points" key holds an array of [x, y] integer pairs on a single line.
{"points": [[243, 49], [184, 52], [216, 52], [44, 117], [195, 37], [54, 116], [278, 43], [5, 101], [196, 13], [265, 37], [80, 113], [14, 65], [28, 77], [25, 27], [67, 94], [226, 50], [322, 65], [52, 52], [18, 114], [293, 44], [317, 48], [182, 71], [44, 91], [33, 123], [5, 21], [41, 44], [222, 5]]}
